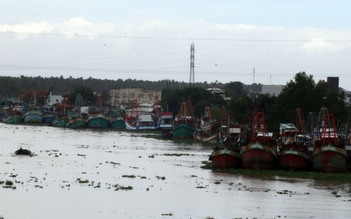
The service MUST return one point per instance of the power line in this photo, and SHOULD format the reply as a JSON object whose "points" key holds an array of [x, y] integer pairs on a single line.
{"points": [[179, 38], [159, 71]]}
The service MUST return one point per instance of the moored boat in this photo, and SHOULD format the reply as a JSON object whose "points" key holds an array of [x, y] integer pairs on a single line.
{"points": [[75, 123], [207, 130], [48, 115], [142, 122], [293, 148], [330, 154], [75, 120], [33, 116], [139, 117], [184, 122], [165, 123], [77, 116], [259, 152], [14, 115], [227, 153], [116, 120], [98, 120], [12, 118], [223, 158], [61, 119], [60, 122]]}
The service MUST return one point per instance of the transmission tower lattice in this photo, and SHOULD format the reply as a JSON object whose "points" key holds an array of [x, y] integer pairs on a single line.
{"points": [[192, 65]]}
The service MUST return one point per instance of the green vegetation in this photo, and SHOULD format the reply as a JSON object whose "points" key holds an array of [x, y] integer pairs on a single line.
{"points": [[241, 100]]}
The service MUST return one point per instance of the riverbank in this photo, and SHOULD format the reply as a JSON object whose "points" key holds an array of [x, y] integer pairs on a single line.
{"points": [[330, 177]]}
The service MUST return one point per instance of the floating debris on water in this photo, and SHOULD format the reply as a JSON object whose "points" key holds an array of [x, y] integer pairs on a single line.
{"points": [[22, 151]]}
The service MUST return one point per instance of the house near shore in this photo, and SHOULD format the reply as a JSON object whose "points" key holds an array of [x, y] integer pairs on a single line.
{"points": [[54, 99]]}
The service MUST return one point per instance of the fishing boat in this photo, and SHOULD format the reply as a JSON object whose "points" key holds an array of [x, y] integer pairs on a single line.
{"points": [[165, 123], [330, 154], [259, 152], [75, 120], [184, 122], [98, 120], [141, 122], [61, 119], [34, 114], [227, 152], [116, 120], [207, 130], [293, 148], [163, 119], [60, 122], [14, 115], [77, 116], [48, 115], [12, 118], [140, 118], [293, 144]]}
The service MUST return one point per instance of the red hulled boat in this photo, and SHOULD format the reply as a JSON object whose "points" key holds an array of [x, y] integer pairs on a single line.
{"points": [[329, 154], [227, 153], [259, 153], [293, 145]]}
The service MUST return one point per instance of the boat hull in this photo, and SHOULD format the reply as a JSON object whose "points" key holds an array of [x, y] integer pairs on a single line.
{"points": [[13, 119], [97, 121], [225, 158], [136, 127], [209, 139], [291, 159], [118, 124], [32, 117], [257, 156], [61, 122], [48, 119], [76, 123], [183, 131], [330, 159]]}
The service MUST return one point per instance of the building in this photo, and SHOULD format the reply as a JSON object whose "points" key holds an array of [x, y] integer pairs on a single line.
{"points": [[273, 90], [124, 96], [54, 99], [333, 83]]}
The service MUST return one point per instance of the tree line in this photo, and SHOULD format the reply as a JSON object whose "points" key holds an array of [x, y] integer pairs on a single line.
{"points": [[300, 92]]}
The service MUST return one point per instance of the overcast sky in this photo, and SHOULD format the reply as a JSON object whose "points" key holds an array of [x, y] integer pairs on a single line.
{"points": [[250, 41]]}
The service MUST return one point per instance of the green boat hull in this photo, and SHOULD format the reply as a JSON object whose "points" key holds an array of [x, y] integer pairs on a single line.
{"points": [[118, 124], [76, 123], [183, 131], [13, 119], [98, 122], [60, 122]]}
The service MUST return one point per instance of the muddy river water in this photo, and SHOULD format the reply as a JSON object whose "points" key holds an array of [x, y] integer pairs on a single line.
{"points": [[116, 174]]}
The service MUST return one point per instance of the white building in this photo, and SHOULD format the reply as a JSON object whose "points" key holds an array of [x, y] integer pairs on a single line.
{"points": [[53, 99]]}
